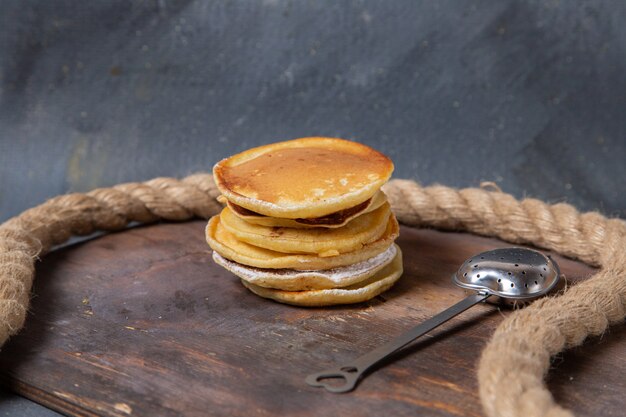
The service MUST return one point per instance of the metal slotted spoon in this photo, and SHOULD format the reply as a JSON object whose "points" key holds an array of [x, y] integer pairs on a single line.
{"points": [[510, 276]]}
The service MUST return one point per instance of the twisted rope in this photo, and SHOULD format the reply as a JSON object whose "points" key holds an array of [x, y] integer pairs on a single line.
{"points": [[519, 352], [518, 355]]}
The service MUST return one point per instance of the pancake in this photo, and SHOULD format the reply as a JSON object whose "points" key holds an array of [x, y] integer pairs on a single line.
{"points": [[333, 220], [321, 241], [359, 292], [293, 280], [303, 178], [231, 248]]}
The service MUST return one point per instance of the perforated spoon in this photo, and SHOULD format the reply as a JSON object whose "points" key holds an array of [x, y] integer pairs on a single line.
{"points": [[510, 276]]}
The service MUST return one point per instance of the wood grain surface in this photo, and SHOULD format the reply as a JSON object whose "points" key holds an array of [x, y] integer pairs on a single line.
{"points": [[143, 323]]}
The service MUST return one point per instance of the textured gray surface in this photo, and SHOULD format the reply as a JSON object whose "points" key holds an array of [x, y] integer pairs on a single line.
{"points": [[12, 405], [529, 94]]}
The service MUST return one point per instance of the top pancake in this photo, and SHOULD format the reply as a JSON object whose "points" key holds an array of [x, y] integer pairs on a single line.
{"points": [[303, 178]]}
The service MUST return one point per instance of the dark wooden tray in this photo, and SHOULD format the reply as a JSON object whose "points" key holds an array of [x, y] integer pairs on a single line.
{"points": [[143, 323]]}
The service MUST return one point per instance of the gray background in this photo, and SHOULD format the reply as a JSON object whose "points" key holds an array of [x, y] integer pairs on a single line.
{"points": [[529, 94]]}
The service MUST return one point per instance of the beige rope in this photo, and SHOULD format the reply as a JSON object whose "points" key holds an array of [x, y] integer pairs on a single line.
{"points": [[518, 355]]}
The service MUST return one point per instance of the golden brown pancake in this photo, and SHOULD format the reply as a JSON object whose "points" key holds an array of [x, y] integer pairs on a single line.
{"points": [[359, 292], [303, 178], [333, 220], [323, 242], [231, 248], [294, 280]]}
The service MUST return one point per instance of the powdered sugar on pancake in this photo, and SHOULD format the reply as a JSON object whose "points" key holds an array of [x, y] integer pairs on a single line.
{"points": [[359, 292], [294, 280]]}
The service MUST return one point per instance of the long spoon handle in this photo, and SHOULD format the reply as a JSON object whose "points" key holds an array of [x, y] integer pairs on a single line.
{"points": [[352, 372]]}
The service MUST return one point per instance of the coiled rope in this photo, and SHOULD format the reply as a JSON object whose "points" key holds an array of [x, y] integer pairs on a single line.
{"points": [[518, 354]]}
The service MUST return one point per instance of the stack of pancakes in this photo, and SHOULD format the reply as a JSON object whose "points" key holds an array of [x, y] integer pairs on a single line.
{"points": [[306, 223]]}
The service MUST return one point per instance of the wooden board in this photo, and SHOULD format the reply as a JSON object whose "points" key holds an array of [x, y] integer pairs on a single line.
{"points": [[143, 323]]}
